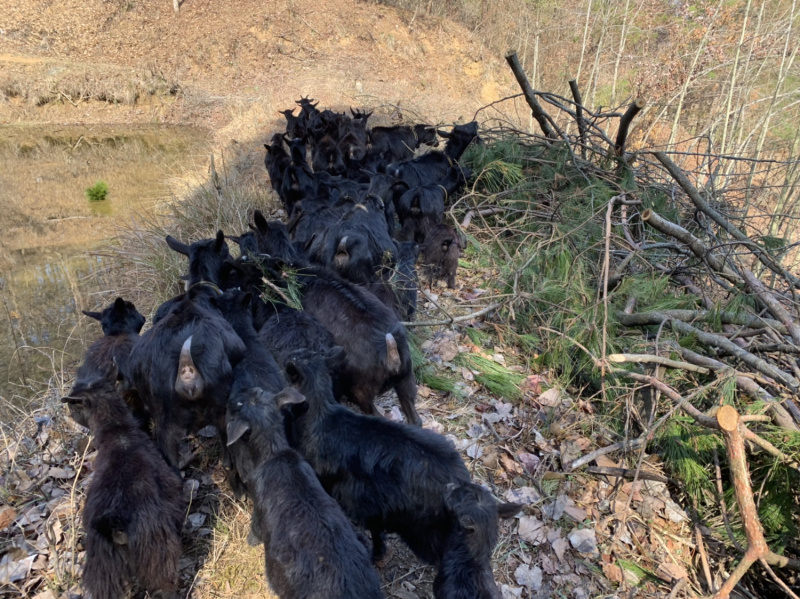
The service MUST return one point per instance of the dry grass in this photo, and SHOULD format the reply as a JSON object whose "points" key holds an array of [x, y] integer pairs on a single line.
{"points": [[71, 83]]}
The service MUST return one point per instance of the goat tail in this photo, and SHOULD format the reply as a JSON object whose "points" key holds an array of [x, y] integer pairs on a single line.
{"points": [[105, 575], [393, 360]]}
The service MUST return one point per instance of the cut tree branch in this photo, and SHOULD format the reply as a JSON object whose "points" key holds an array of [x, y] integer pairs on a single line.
{"points": [[651, 359], [682, 180], [624, 126], [530, 96], [698, 248]]}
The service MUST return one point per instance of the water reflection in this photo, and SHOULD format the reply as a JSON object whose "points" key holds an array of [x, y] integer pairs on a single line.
{"points": [[48, 273], [42, 296]]}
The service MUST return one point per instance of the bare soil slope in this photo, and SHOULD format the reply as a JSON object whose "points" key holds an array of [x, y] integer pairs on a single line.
{"points": [[340, 51]]}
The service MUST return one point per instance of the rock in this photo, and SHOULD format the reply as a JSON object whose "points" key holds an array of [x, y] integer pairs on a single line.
{"points": [[583, 540]]}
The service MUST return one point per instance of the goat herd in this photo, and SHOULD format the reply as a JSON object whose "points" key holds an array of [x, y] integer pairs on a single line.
{"points": [[269, 377]]}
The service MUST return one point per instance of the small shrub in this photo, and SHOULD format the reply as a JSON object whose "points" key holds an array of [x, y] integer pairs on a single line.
{"points": [[97, 192]]}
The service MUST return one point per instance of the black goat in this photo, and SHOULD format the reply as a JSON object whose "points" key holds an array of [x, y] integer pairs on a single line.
{"points": [[183, 366], [432, 167], [387, 476], [258, 367], [421, 208], [440, 253], [121, 323], [397, 287], [311, 550], [399, 142], [359, 244], [465, 569], [134, 508], [378, 357], [276, 161], [327, 156]]}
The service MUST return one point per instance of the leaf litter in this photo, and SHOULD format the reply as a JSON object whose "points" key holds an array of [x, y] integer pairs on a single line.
{"points": [[581, 535]]}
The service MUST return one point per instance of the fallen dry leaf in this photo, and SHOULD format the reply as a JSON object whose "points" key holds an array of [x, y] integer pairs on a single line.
{"points": [[529, 577], [510, 464], [669, 571], [533, 384], [532, 530], [529, 461], [7, 515], [523, 495], [613, 573], [560, 547], [576, 513], [550, 398]]}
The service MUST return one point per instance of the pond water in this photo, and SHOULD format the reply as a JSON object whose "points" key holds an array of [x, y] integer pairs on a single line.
{"points": [[49, 267]]}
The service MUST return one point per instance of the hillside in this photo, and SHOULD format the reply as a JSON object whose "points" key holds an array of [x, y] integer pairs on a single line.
{"points": [[228, 57]]}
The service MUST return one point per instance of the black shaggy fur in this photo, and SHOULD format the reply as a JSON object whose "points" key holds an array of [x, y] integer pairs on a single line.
{"points": [[361, 324], [153, 367], [121, 323], [465, 569], [397, 287], [134, 508], [311, 549], [387, 476], [440, 253]]}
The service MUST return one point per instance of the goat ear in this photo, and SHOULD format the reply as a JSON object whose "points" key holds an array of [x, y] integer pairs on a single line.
{"points": [[260, 221], [443, 133], [508, 510], [219, 241], [119, 305], [95, 315], [289, 397], [292, 373], [335, 357], [267, 148], [468, 524], [235, 429], [177, 246]]}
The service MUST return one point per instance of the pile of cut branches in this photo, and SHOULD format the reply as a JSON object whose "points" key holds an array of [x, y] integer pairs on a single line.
{"points": [[665, 294]]}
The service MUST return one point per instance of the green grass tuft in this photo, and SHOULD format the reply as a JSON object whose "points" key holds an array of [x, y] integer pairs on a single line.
{"points": [[97, 192]]}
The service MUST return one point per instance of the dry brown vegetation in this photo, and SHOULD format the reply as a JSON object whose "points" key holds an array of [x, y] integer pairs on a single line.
{"points": [[521, 402]]}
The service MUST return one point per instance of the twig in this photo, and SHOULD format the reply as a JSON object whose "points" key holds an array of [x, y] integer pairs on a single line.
{"points": [[436, 323], [714, 340], [772, 304], [698, 247], [485, 212], [625, 473], [648, 358], [621, 446], [737, 318], [682, 180], [530, 97], [276, 289], [677, 588]]}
